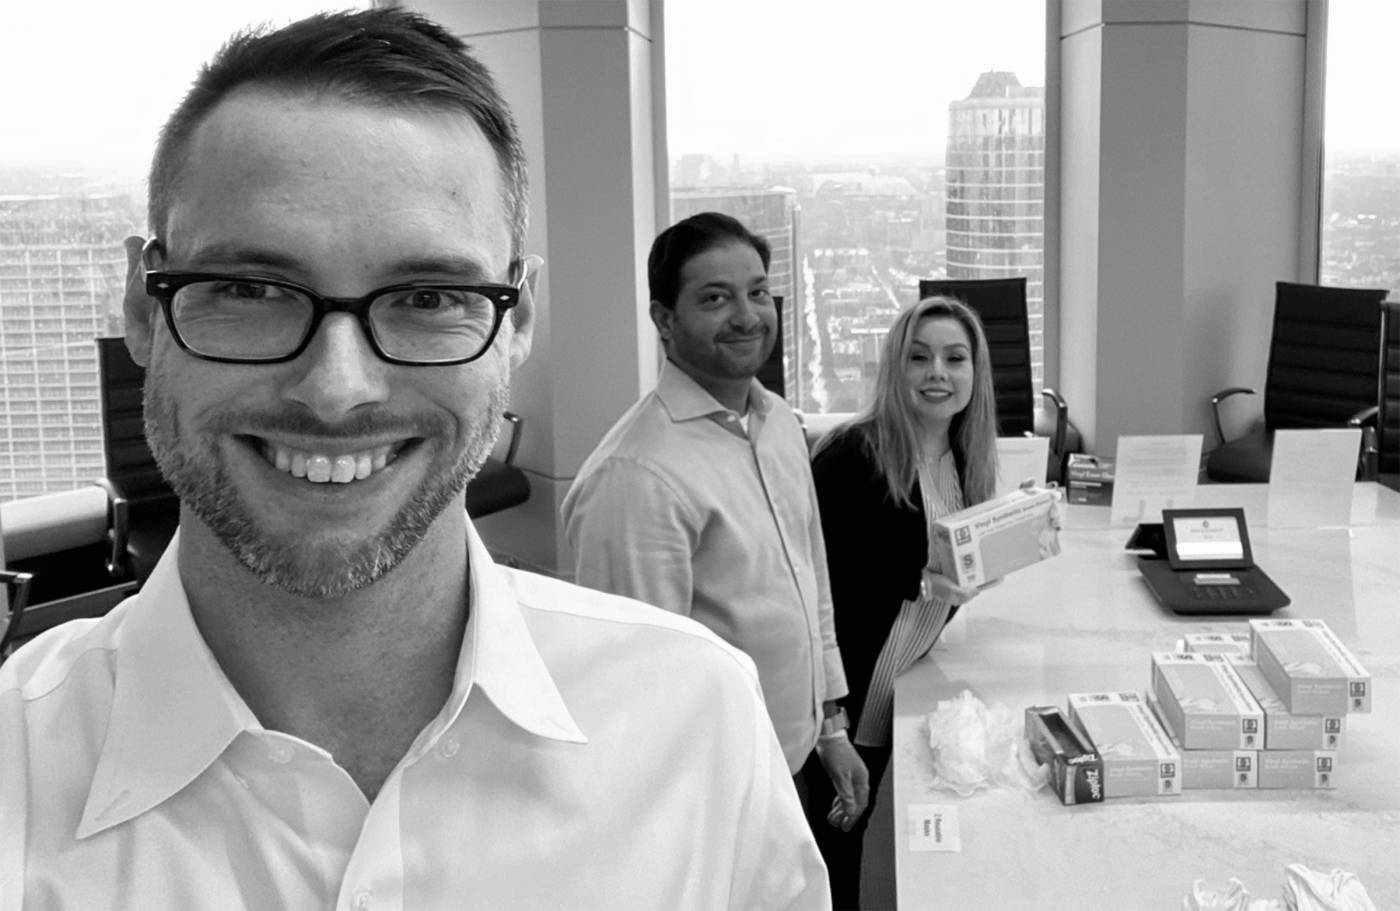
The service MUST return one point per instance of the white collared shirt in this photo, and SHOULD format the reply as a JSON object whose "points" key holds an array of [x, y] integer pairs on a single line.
{"points": [[680, 507], [594, 753]]}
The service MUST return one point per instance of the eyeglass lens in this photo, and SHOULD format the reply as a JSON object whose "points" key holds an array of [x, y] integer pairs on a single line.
{"points": [[255, 320]]}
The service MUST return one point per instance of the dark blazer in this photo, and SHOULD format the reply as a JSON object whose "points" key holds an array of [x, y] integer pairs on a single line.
{"points": [[875, 554]]}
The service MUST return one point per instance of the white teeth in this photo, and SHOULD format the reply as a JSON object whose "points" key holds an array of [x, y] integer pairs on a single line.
{"points": [[320, 468]]}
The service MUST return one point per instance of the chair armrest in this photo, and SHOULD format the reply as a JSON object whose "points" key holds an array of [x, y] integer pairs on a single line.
{"points": [[18, 583], [118, 522], [514, 443], [1215, 401], [1368, 468], [1364, 416], [1057, 442]]}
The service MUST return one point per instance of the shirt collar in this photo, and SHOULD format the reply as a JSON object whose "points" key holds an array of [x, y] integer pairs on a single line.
{"points": [[174, 712], [500, 656], [685, 399]]}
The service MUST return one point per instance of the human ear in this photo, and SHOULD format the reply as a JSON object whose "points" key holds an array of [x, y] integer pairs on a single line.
{"points": [[662, 317], [138, 307], [522, 315]]}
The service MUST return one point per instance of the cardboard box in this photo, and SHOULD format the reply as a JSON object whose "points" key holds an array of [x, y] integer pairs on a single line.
{"points": [[1206, 770], [1282, 729], [1297, 769], [1204, 703], [1217, 643], [1309, 667], [1139, 759], [1089, 479], [987, 541], [1074, 769]]}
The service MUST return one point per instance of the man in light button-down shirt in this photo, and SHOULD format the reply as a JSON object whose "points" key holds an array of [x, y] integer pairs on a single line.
{"points": [[327, 695], [700, 498]]}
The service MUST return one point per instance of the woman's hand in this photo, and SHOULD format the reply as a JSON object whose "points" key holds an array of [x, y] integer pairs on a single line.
{"points": [[937, 585]]}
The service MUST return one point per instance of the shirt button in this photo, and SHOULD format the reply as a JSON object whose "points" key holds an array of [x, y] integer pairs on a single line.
{"points": [[280, 754], [364, 900], [449, 746]]}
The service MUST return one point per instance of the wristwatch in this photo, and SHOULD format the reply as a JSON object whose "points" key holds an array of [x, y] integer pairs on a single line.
{"points": [[835, 724]]}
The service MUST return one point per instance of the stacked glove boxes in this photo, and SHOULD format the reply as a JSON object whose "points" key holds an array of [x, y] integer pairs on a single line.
{"points": [[1264, 709]]}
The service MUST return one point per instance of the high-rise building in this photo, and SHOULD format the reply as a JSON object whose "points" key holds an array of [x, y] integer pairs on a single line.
{"points": [[772, 214], [62, 270], [996, 191]]}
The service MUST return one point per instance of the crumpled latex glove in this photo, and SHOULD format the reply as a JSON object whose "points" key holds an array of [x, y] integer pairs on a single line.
{"points": [[976, 746], [1235, 897], [1305, 889]]}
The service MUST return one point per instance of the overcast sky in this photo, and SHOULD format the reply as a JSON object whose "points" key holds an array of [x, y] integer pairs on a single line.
{"points": [[88, 82]]}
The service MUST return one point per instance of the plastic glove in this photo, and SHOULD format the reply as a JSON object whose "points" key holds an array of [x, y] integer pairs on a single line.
{"points": [[976, 746], [1305, 889], [1235, 897]]}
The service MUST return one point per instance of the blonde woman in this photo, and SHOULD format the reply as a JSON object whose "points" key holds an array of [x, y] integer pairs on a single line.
{"points": [[924, 447]]}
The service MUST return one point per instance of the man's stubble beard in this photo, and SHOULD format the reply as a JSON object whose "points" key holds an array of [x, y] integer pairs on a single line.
{"points": [[199, 476]]}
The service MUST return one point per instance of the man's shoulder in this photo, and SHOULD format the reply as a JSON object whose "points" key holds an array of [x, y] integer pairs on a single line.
{"points": [[57, 656], [628, 630]]}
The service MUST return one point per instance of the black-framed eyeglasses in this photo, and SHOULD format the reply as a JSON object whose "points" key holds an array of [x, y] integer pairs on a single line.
{"points": [[235, 319]]}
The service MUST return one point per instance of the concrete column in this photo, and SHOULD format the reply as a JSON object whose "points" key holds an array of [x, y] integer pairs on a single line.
{"points": [[579, 77], [1182, 176]]}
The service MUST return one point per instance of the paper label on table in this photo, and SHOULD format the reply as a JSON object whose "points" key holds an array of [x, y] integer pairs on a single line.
{"points": [[933, 827], [1153, 473], [1311, 476], [1020, 459]]}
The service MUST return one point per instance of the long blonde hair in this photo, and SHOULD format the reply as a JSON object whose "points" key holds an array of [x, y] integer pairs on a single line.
{"points": [[889, 427]]}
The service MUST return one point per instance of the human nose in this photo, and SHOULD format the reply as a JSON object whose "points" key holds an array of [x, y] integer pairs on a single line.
{"points": [[339, 371], [745, 316]]}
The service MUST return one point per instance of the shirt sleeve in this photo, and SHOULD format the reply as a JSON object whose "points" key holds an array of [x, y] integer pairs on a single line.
{"points": [[834, 670], [632, 535]]}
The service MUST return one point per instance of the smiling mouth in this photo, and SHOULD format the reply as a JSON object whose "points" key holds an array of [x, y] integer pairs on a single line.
{"points": [[325, 467]]}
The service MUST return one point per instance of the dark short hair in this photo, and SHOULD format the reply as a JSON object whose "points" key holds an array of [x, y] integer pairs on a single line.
{"points": [[387, 57], [689, 238]]}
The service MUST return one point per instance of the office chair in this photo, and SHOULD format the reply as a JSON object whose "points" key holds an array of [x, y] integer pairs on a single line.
{"points": [[770, 374], [1324, 357], [499, 484], [12, 608], [1001, 305], [142, 510], [1388, 409]]}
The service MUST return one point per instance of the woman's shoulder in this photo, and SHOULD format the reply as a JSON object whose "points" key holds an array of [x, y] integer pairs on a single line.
{"points": [[844, 444]]}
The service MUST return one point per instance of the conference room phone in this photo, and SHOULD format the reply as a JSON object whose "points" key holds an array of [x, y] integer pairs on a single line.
{"points": [[1199, 561]]}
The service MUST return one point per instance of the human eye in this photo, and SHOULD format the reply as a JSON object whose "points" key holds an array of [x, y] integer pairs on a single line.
{"points": [[760, 294], [234, 290], [713, 298]]}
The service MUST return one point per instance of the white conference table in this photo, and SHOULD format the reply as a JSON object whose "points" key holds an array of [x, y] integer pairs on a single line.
{"points": [[1084, 621]]}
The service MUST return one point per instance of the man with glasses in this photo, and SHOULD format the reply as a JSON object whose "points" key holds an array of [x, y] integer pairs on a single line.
{"points": [[327, 694]]}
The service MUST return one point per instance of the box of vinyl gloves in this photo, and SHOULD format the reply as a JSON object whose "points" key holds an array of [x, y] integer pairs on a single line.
{"points": [[985, 542]]}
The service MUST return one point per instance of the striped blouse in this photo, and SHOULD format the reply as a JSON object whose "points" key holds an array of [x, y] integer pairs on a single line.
{"points": [[920, 621]]}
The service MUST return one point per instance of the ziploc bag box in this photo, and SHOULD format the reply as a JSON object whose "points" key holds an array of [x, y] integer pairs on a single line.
{"points": [[1309, 667], [1282, 729], [1074, 769], [985, 542], [1089, 479], [1217, 643], [1204, 702], [1139, 759], [1297, 769]]}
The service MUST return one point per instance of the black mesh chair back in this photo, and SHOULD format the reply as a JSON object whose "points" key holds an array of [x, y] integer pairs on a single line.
{"points": [[1324, 355], [1001, 305], [771, 373], [1388, 416], [142, 509]]}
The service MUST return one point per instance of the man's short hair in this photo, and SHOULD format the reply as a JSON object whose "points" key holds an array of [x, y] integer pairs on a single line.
{"points": [[386, 57], [687, 239]]}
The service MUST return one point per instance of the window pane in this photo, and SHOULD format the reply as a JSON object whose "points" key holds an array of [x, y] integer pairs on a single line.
{"points": [[80, 129], [872, 144], [1360, 235]]}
